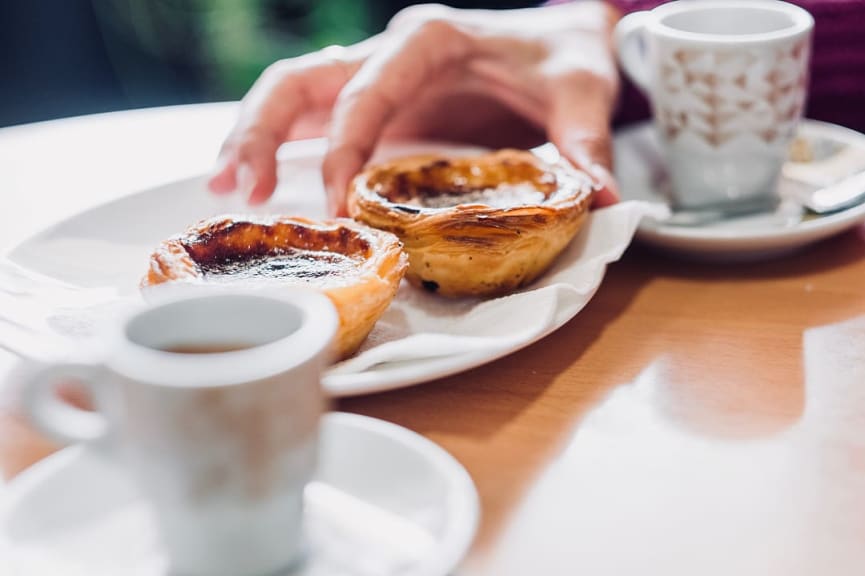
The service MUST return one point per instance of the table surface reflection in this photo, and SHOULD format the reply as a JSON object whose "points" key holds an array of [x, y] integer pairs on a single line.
{"points": [[694, 419]]}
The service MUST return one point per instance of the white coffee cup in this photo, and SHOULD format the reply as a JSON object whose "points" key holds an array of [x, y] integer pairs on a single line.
{"points": [[212, 401], [727, 81]]}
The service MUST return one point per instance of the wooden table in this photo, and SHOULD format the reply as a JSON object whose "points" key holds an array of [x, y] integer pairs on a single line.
{"points": [[693, 419]]}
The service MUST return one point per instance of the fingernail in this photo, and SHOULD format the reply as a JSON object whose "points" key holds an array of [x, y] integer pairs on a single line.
{"points": [[221, 181], [332, 201], [245, 180], [600, 173], [221, 163], [581, 159], [335, 187]]}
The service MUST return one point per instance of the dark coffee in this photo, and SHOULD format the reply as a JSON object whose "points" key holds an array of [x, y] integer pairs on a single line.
{"points": [[206, 348]]}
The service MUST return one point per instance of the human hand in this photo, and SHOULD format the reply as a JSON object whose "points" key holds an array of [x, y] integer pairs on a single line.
{"points": [[511, 77]]}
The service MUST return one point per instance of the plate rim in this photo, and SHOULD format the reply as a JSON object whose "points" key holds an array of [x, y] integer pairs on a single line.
{"points": [[463, 510]]}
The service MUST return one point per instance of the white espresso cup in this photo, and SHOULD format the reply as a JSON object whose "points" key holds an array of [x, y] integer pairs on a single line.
{"points": [[212, 402], [727, 81]]}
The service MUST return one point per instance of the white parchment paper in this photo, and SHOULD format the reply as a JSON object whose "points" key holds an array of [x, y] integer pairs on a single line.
{"points": [[420, 326]]}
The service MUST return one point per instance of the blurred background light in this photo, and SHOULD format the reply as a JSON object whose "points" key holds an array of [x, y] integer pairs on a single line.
{"points": [[71, 57]]}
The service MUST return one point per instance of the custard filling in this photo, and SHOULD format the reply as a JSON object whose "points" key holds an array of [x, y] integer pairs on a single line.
{"points": [[248, 251], [446, 183], [509, 196], [283, 263]]}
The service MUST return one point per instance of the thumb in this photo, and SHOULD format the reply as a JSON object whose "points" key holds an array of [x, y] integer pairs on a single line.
{"points": [[580, 129]]}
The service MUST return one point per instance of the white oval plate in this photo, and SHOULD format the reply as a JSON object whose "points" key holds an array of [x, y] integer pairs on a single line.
{"points": [[640, 172], [421, 336], [385, 501]]}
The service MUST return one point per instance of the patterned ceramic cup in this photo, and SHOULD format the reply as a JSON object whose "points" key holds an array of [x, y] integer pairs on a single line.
{"points": [[727, 80]]}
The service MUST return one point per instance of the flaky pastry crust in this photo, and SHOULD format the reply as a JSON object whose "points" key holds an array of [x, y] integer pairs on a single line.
{"points": [[357, 267], [479, 225]]}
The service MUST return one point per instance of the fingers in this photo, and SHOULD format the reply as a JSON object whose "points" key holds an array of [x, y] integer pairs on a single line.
{"points": [[223, 180], [388, 80], [579, 126], [267, 113], [284, 92], [249, 168]]}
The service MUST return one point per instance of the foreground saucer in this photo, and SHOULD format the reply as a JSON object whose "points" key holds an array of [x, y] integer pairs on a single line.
{"points": [[641, 174], [386, 501]]}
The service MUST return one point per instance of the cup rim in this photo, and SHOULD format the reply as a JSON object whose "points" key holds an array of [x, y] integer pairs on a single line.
{"points": [[313, 338], [803, 22]]}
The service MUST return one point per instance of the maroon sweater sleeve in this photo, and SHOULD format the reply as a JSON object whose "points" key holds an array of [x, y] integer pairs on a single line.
{"points": [[837, 88]]}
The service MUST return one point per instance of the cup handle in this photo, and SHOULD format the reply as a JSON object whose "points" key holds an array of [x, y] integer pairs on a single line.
{"points": [[55, 418], [630, 45]]}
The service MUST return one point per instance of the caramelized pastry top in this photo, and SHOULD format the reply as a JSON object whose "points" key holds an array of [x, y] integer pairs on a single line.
{"points": [[500, 180], [278, 250], [298, 250]]}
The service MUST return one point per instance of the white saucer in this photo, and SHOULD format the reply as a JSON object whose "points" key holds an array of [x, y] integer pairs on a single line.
{"points": [[641, 175], [386, 501]]}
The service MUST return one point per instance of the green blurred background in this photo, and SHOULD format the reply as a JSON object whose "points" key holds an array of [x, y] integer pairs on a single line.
{"points": [[70, 57]]}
